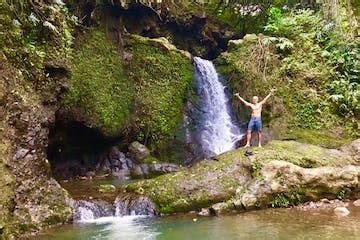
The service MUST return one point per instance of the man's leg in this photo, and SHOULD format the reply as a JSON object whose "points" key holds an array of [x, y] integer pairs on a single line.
{"points": [[259, 129], [260, 138], [248, 138]]}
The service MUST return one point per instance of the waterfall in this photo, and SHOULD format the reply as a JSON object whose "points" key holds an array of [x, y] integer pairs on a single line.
{"points": [[88, 211], [124, 205], [127, 205], [216, 131]]}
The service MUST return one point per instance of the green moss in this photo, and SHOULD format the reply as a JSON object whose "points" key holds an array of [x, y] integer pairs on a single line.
{"points": [[161, 78], [233, 174], [318, 137], [202, 185], [99, 88]]}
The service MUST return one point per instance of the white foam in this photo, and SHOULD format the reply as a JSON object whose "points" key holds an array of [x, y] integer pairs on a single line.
{"points": [[218, 131], [112, 219], [126, 227]]}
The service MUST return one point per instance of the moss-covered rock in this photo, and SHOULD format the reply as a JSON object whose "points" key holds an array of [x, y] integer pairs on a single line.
{"points": [[100, 93], [283, 173], [161, 76], [141, 96]]}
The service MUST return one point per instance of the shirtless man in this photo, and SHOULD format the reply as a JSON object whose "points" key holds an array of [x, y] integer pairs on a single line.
{"points": [[255, 121]]}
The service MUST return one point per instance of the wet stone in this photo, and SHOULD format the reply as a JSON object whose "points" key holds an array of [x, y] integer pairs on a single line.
{"points": [[341, 211], [357, 203], [138, 151]]}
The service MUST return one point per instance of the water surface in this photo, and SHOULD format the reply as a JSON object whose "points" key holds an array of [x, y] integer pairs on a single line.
{"points": [[279, 224]]}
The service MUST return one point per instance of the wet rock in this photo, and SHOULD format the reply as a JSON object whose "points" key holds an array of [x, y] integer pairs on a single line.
{"points": [[150, 170], [204, 212], [106, 188], [323, 204], [341, 211], [162, 168], [139, 171], [357, 203], [138, 151], [134, 205], [86, 210], [121, 174], [220, 208]]}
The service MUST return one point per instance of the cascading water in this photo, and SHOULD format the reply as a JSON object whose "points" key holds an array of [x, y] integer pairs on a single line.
{"points": [[124, 205], [88, 211], [215, 130]]}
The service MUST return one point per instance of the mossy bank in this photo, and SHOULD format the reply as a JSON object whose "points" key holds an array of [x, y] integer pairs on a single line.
{"points": [[307, 62], [282, 174]]}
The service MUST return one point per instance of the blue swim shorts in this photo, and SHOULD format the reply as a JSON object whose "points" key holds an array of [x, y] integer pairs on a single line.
{"points": [[255, 124]]}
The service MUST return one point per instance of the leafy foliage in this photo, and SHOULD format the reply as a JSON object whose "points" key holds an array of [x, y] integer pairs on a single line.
{"points": [[35, 34], [316, 90], [244, 16], [292, 198], [342, 51]]}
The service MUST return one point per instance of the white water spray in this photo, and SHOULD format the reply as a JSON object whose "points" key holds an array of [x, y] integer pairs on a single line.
{"points": [[217, 131]]}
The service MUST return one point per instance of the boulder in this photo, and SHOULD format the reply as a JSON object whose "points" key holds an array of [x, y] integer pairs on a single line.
{"points": [[356, 203], [282, 174], [138, 151], [341, 211], [220, 208], [155, 169], [204, 212]]}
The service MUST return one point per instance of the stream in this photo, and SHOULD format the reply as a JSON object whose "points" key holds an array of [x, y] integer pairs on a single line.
{"points": [[274, 224]]}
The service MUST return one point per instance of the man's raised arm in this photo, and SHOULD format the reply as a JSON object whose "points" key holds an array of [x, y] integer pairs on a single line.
{"points": [[268, 96], [242, 100]]}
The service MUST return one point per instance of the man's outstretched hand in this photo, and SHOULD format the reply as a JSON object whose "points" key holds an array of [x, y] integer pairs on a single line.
{"points": [[273, 90], [237, 94]]}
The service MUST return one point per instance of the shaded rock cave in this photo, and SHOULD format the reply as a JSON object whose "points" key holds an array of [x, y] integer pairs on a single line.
{"points": [[75, 150]]}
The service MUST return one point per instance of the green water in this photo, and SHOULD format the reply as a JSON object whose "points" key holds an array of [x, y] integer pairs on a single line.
{"points": [[263, 224]]}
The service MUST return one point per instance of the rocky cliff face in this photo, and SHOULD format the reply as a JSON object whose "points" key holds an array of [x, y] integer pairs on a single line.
{"points": [[33, 71], [43, 78], [32, 198]]}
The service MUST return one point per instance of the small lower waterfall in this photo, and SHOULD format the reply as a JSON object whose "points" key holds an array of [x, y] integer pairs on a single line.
{"points": [[215, 131], [124, 205], [87, 211], [122, 220]]}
